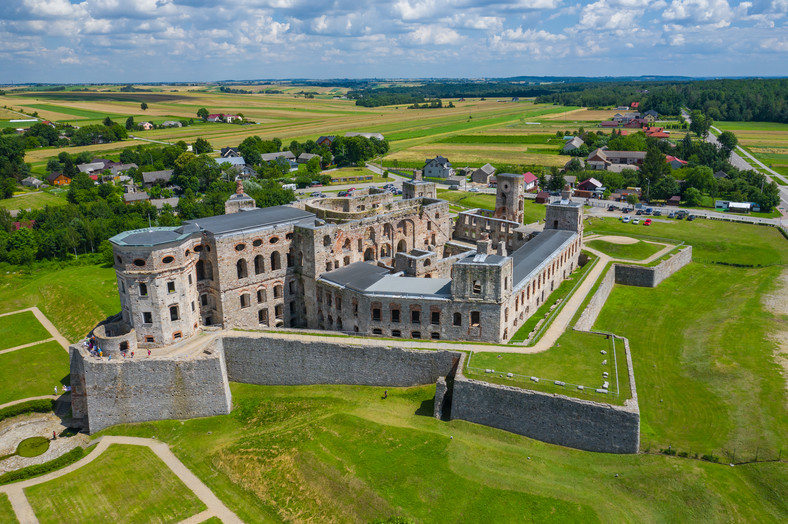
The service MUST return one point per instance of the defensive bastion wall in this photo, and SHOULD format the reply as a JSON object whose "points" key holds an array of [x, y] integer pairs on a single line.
{"points": [[137, 390], [630, 275], [124, 390]]}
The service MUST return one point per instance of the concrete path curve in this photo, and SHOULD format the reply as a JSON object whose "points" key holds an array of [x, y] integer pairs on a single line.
{"points": [[15, 402], [23, 346], [216, 507]]}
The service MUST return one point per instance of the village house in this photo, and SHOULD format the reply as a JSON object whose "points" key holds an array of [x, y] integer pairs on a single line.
{"points": [[325, 141], [153, 178], [376, 136], [146, 126], [32, 182], [58, 179], [675, 163], [483, 174], [438, 167], [603, 159], [575, 143], [530, 182]]}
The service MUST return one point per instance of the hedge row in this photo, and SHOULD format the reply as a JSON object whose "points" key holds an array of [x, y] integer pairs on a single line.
{"points": [[41, 469], [31, 406]]}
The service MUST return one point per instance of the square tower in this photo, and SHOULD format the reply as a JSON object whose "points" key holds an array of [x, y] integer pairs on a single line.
{"points": [[509, 197]]}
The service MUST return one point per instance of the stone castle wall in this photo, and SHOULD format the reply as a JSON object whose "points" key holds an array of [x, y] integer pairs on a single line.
{"points": [[552, 418], [119, 391], [643, 276], [275, 361], [640, 276]]}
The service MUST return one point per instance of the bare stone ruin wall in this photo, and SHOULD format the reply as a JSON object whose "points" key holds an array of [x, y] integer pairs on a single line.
{"points": [[119, 391], [552, 418], [652, 276], [640, 276], [273, 361]]}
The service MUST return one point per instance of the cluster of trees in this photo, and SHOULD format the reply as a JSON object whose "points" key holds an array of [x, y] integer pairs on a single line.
{"points": [[96, 213], [370, 95], [12, 163], [225, 89], [373, 99], [435, 103], [764, 100], [43, 135], [107, 131], [355, 150]]}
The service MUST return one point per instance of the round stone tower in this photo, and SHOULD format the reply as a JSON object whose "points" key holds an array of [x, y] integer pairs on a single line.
{"points": [[157, 283]]}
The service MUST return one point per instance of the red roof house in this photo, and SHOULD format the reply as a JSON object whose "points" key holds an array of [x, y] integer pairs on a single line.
{"points": [[530, 181]]}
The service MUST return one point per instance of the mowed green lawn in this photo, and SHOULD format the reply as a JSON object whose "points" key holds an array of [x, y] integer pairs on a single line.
{"points": [[74, 298], [638, 251], [32, 201], [704, 362], [712, 241], [33, 371], [342, 453], [21, 328], [7, 515], [125, 484], [576, 359]]}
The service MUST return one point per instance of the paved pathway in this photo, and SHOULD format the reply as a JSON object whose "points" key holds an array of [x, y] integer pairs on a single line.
{"points": [[23, 346], [216, 507], [44, 322], [15, 402]]}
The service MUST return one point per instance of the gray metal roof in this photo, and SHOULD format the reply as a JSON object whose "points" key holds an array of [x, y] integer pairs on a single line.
{"points": [[536, 252], [150, 236], [251, 219], [374, 280]]}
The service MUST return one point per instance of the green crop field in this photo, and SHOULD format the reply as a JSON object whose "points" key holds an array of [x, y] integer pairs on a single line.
{"points": [[124, 484], [21, 328], [74, 298], [638, 251], [82, 113], [342, 453], [32, 371]]}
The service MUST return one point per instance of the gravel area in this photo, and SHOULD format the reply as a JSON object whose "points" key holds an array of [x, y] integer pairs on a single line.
{"points": [[15, 430]]}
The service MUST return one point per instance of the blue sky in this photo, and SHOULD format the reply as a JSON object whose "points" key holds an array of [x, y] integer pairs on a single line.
{"points": [[202, 40]]}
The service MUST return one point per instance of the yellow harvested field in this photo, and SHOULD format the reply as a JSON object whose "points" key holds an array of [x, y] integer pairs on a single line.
{"points": [[461, 154]]}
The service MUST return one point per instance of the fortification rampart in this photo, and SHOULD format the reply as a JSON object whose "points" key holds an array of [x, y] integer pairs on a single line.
{"points": [[122, 390], [274, 361], [644, 276], [630, 275], [557, 419]]}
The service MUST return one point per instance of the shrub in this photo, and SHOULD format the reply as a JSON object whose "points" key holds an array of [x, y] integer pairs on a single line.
{"points": [[710, 458], [41, 469], [31, 406], [668, 451]]}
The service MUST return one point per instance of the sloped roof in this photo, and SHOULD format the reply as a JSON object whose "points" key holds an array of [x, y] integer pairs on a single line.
{"points": [[529, 177]]}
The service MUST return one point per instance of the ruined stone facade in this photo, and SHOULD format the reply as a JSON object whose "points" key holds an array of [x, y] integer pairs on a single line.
{"points": [[285, 267]]}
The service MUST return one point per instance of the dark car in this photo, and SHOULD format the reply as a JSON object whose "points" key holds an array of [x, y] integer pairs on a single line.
{"points": [[611, 207], [639, 212], [690, 218], [657, 213]]}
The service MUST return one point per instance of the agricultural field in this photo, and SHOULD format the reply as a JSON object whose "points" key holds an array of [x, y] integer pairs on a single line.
{"points": [[413, 134], [767, 141]]}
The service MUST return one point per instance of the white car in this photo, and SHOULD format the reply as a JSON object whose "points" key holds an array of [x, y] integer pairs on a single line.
{"points": [[474, 190], [635, 220], [626, 219]]}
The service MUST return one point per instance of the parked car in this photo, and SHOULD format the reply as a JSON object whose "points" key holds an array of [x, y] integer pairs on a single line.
{"points": [[454, 187], [611, 207], [657, 213], [316, 183], [474, 190], [625, 219], [636, 220], [626, 210], [690, 218], [343, 193], [649, 210], [639, 212], [647, 222], [672, 215]]}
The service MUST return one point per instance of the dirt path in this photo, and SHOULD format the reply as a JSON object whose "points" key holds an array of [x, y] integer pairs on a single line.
{"points": [[776, 302], [44, 397], [216, 507], [23, 346]]}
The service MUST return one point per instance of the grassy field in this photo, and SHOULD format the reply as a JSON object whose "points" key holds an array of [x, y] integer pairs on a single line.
{"points": [[74, 298], [125, 484], [32, 371], [19, 329], [576, 359], [342, 453], [33, 201], [713, 241], [638, 251], [7, 515]]}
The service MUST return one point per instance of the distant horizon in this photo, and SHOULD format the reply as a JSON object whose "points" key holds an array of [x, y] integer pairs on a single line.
{"points": [[645, 78], [136, 41]]}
